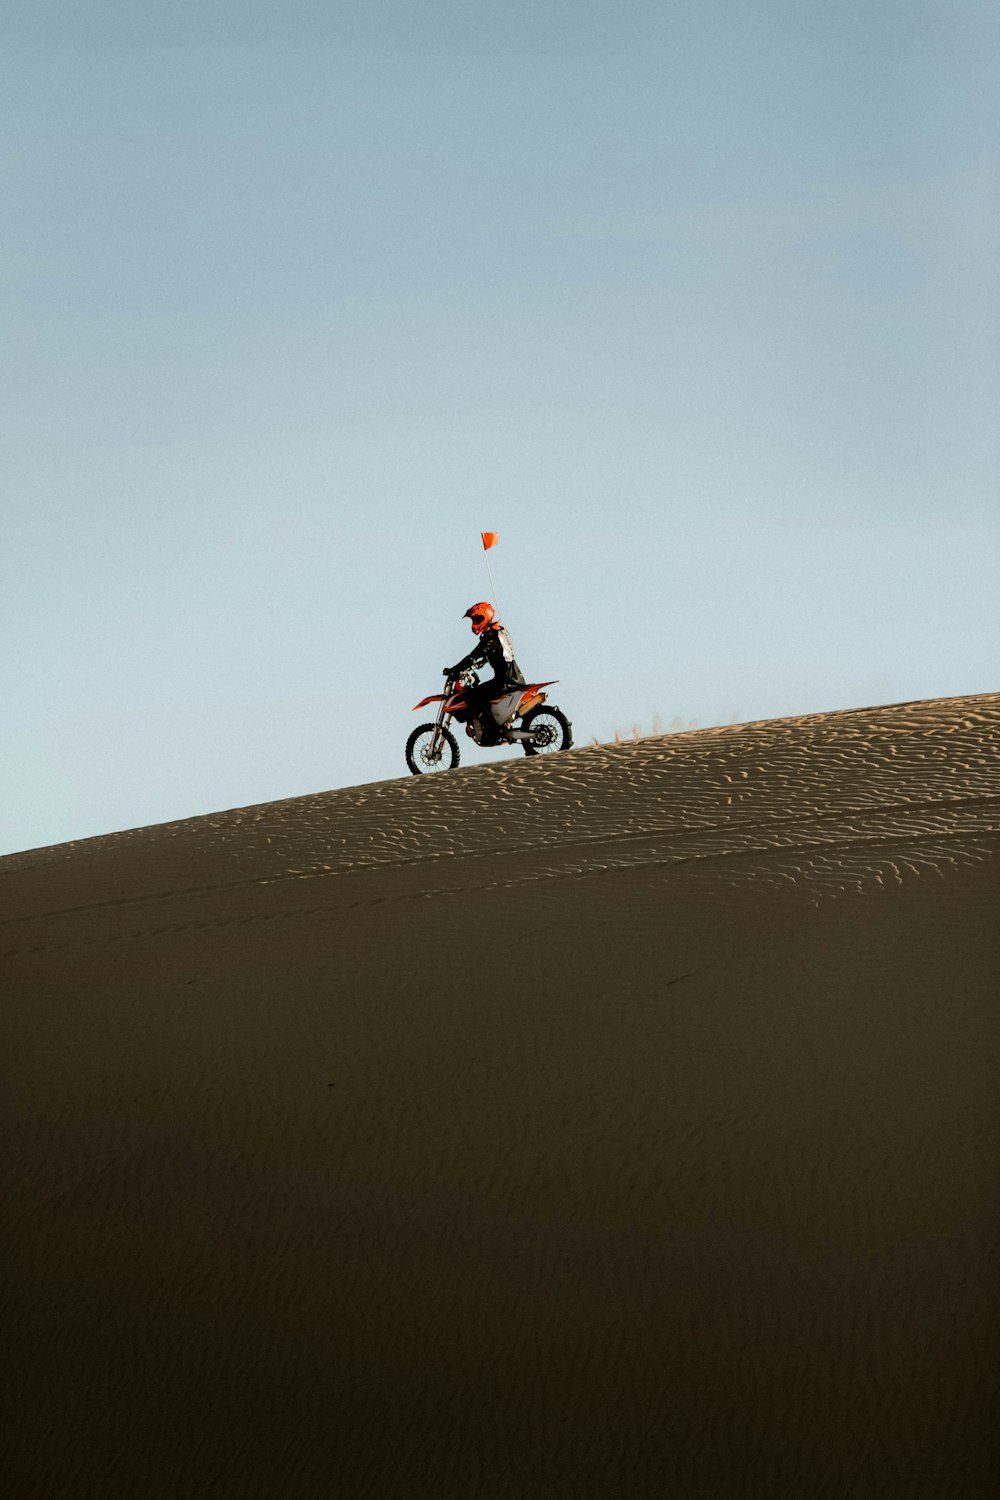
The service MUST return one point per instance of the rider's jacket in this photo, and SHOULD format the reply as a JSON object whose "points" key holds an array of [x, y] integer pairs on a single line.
{"points": [[493, 650]]}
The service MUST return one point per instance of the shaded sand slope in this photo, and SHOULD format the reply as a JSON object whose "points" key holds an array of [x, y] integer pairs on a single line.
{"points": [[699, 1199]]}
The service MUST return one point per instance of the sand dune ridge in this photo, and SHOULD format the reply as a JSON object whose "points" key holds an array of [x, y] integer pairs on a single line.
{"points": [[620, 1124]]}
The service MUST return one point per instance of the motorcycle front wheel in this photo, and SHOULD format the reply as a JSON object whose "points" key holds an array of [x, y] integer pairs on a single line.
{"points": [[420, 745], [549, 729]]}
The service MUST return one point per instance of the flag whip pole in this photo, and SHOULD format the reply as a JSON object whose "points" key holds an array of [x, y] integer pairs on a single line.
{"points": [[490, 539]]}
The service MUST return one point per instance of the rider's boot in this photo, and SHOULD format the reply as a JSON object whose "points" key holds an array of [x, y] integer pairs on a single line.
{"points": [[490, 727]]}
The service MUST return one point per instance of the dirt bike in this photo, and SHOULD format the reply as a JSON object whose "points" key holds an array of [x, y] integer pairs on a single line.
{"points": [[543, 727]]}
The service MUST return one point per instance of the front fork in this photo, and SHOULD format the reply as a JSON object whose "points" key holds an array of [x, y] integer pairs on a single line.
{"points": [[439, 725]]}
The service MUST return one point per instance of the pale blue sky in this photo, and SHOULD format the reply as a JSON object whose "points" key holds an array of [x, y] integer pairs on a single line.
{"points": [[695, 303]]}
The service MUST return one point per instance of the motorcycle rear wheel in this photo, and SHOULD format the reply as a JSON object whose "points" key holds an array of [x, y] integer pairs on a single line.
{"points": [[550, 730], [418, 748]]}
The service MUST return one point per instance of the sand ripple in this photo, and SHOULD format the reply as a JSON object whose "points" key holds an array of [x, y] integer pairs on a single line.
{"points": [[821, 804]]}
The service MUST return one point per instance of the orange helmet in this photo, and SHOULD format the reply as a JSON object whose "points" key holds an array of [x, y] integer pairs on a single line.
{"points": [[481, 615]]}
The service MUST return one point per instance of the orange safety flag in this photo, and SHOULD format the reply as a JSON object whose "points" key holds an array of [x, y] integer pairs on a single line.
{"points": [[490, 539]]}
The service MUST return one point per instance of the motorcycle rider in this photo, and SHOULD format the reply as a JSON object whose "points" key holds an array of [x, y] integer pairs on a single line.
{"points": [[493, 649]]}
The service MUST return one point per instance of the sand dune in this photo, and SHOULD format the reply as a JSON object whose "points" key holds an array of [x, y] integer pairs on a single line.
{"points": [[688, 1188]]}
